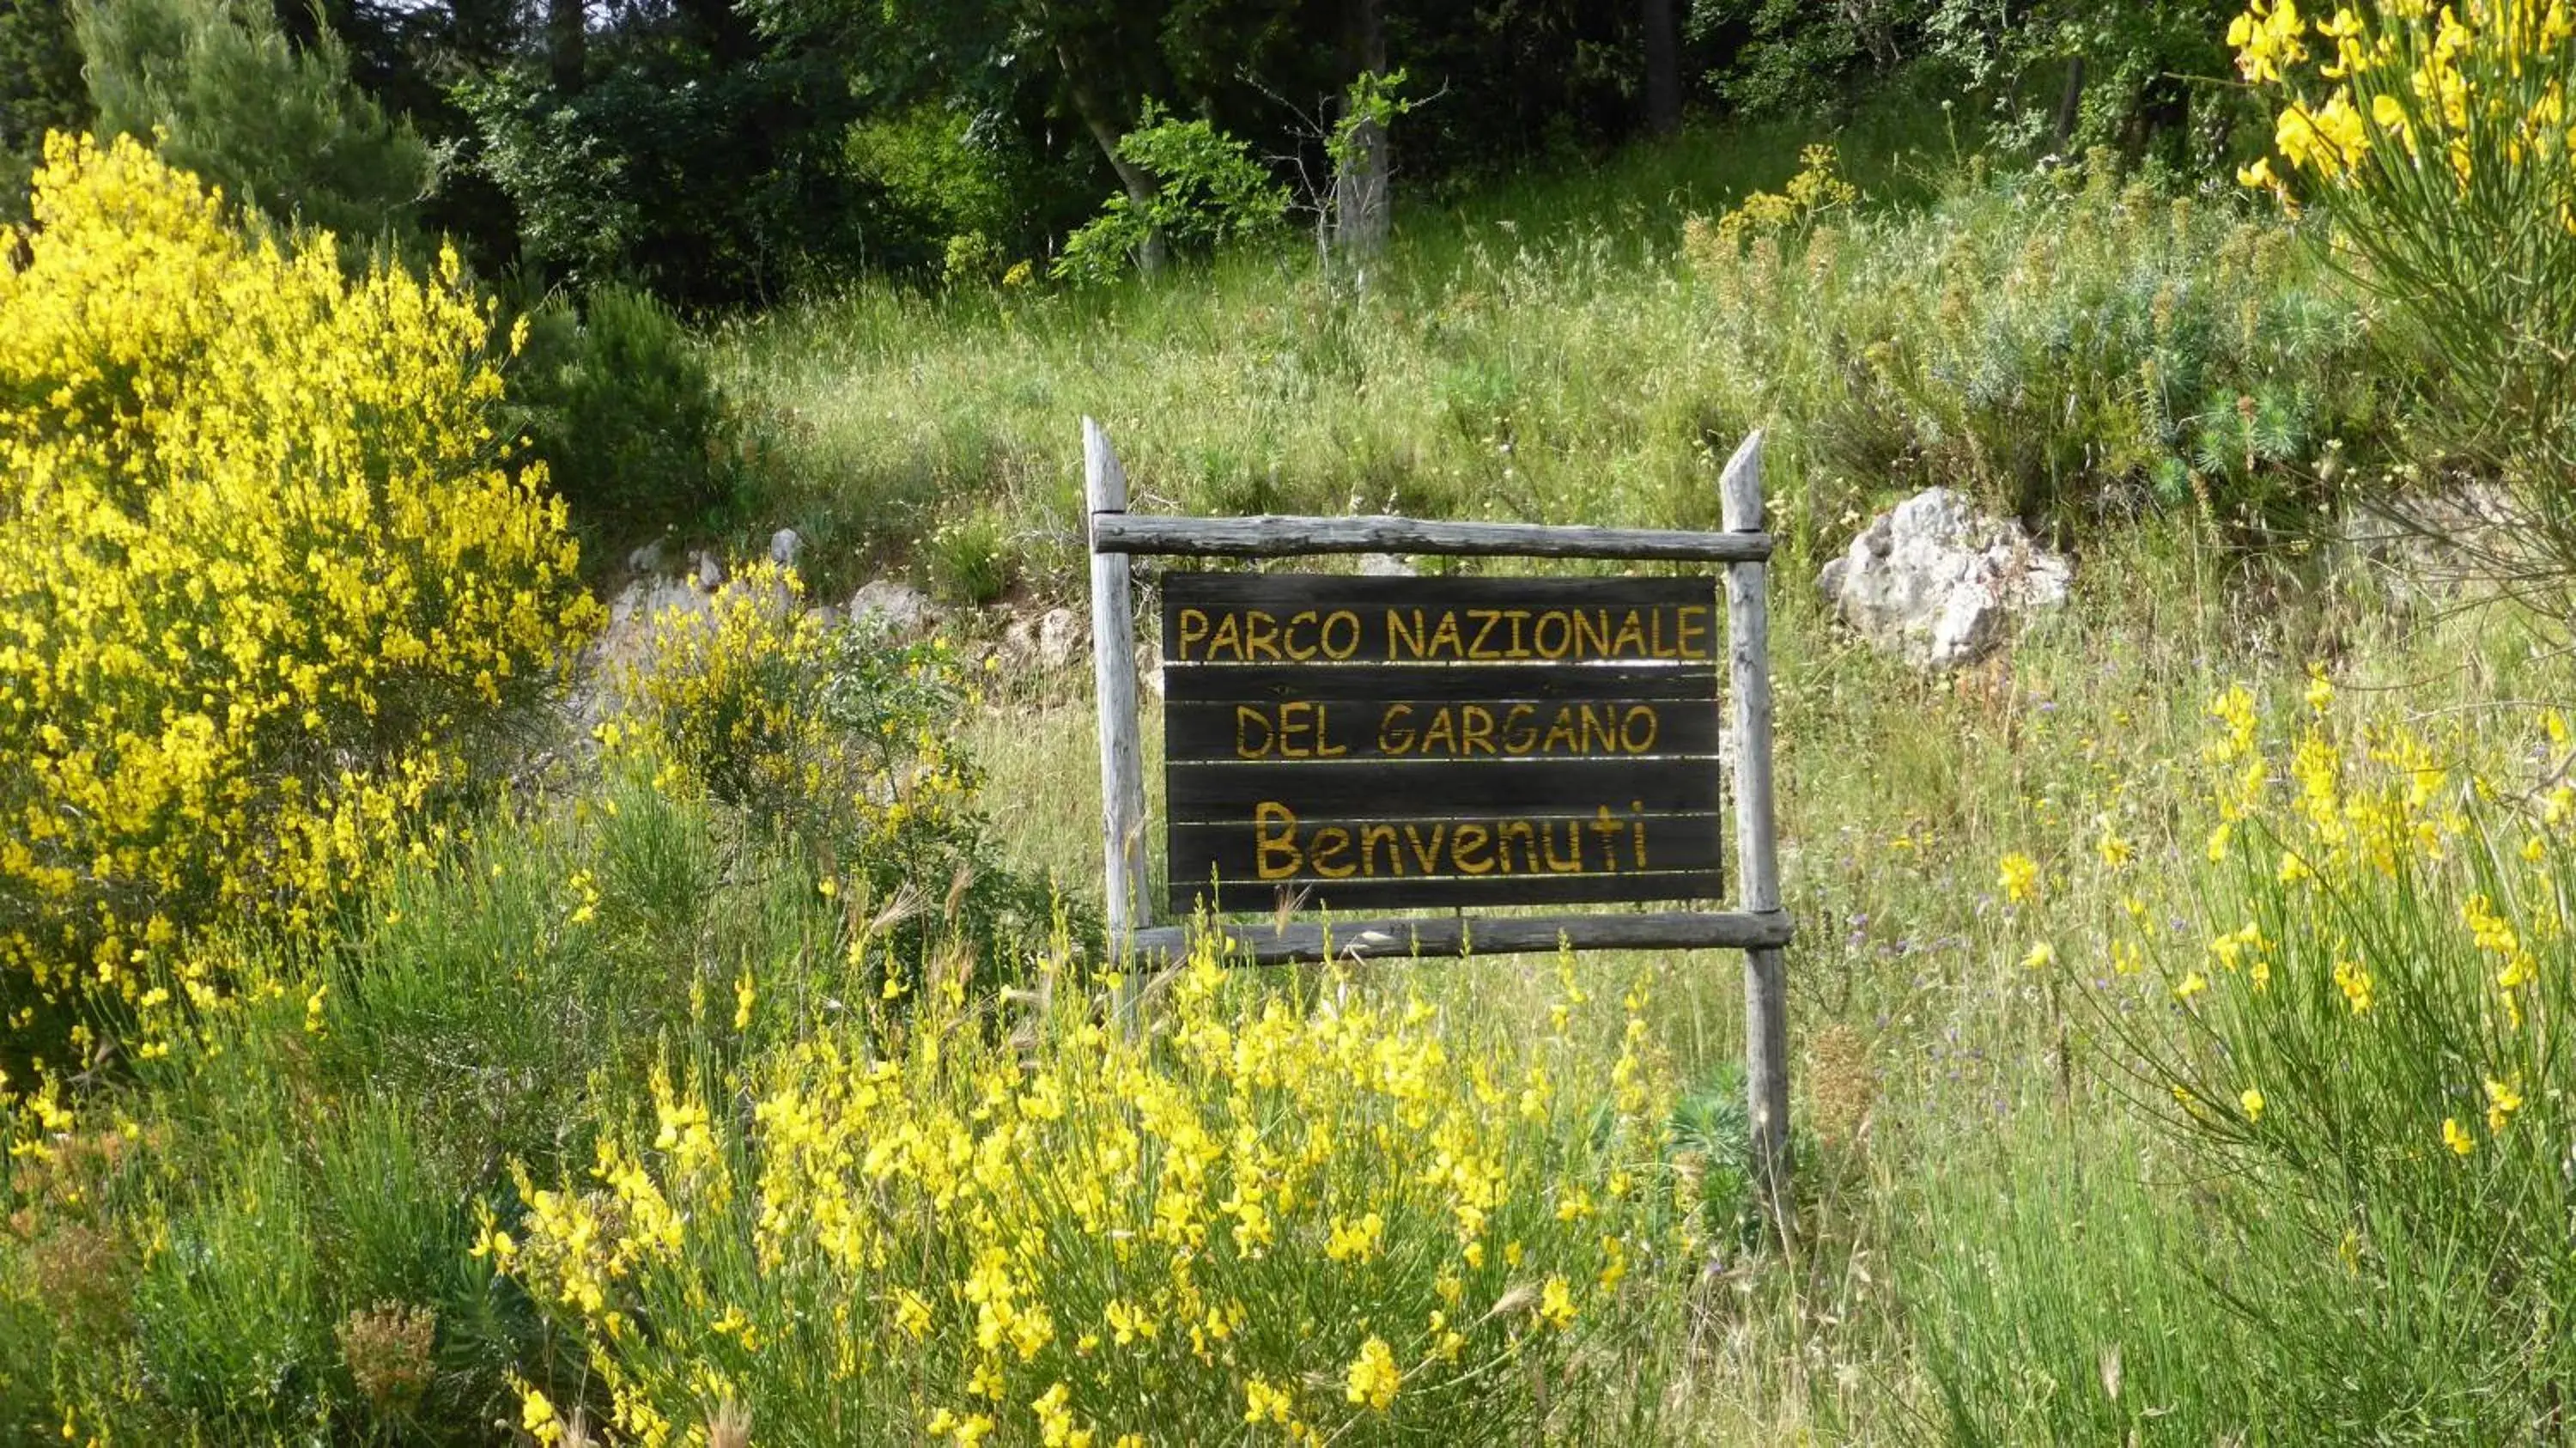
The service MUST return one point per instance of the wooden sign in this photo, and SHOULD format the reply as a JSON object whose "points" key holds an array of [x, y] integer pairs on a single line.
{"points": [[1355, 743]]}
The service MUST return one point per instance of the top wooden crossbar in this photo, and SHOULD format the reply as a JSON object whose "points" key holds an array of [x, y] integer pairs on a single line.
{"points": [[1273, 536]]}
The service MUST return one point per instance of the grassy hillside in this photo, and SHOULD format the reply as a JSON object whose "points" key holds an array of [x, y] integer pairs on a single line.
{"points": [[2008, 1240], [2070, 346]]}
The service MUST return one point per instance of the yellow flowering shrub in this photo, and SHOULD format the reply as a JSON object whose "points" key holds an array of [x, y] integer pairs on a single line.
{"points": [[2350, 1007], [1331, 1214], [2439, 142], [269, 580], [839, 739]]}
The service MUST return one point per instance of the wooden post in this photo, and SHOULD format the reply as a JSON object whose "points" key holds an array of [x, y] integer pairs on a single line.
{"points": [[1113, 666], [1766, 1016]]}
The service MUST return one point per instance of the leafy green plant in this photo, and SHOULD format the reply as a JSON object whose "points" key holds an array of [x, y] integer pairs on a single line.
{"points": [[2360, 1041], [1208, 193], [840, 742], [617, 398], [970, 558]]}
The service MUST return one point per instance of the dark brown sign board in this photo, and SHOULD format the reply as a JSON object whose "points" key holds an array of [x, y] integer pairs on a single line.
{"points": [[1354, 743]]}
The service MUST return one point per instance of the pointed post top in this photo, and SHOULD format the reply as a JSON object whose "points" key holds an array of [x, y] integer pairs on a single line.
{"points": [[1739, 487], [1104, 482]]}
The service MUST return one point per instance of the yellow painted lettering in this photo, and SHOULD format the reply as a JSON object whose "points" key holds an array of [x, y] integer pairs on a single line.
{"points": [[1606, 826], [1345, 624], [1401, 637], [1637, 731], [1275, 856], [1371, 836], [1247, 718], [1447, 637], [1288, 637], [1564, 634], [1261, 636], [1632, 630], [1592, 633], [1475, 730], [1442, 736], [1573, 844], [1296, 721], [1694, 631], [1394, 735], [1331, 843]]}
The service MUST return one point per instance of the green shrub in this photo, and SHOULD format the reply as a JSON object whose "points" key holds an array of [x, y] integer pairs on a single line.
{"points": [[40, 91], [2363, 1038], [1208, 193], [618, 400], [2062, 1288], [223, 93], [970, 558], [2074, 346], [832, 738]]}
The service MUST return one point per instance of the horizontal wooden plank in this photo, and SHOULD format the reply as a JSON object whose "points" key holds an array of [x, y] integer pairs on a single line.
{"points": [[1441, 788], [1237, 589], [1271, 536], [1303, 942], [1313, 618], [1437, 729], [1326, 859], [1435, 683], [1463, 892]]}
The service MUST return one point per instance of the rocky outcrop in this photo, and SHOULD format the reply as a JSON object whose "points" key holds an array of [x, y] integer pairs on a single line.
{"points": [[1937, 582], [897, 608]]}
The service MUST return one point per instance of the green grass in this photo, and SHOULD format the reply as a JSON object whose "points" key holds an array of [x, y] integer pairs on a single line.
{"points": [[2073, 347]]}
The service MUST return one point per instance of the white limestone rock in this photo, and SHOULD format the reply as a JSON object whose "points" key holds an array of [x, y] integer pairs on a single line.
{"points": [[1939, 583]]}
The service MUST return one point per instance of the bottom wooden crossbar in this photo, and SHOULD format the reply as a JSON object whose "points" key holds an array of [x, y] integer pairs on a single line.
{"points": [[1365, 939]]}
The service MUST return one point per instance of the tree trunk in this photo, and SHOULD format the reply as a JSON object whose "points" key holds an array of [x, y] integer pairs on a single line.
{"points": [[567, 43], [1362, 208], [1663, 69], [2070, 104], [1139, 184]]}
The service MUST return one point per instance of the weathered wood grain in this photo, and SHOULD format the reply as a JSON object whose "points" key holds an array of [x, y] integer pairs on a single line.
{"points": [[1439, 787], [1766, 1005], [1305, 942], [1113, 663], [1273, 536]]}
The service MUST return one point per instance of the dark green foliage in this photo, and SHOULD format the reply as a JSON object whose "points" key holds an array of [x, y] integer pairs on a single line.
{"points": [[278, 127], [695, 160], [40, 91], [616, 397]]}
